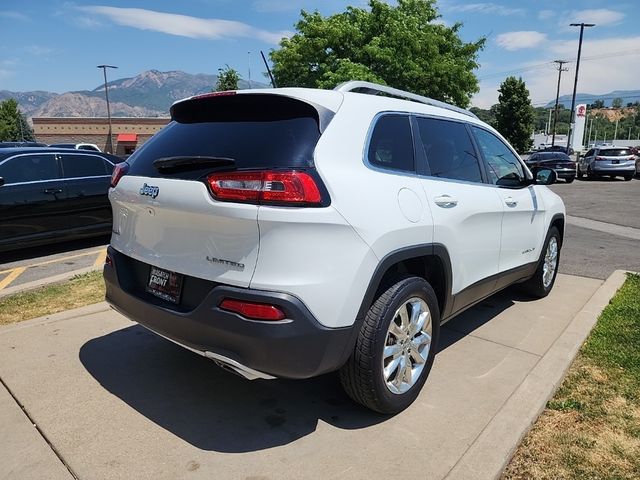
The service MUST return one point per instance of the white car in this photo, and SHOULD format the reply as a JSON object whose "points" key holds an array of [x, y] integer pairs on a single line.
{"points": [[77, 146], [292, 232]]}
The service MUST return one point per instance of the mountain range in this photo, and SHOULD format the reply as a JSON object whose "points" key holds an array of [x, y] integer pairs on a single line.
{"points": [[149, 94], [627, 96]]}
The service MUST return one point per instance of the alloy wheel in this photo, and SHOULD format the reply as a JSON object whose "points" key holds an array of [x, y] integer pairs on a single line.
{"points": [[407, 345], [550, 262]]}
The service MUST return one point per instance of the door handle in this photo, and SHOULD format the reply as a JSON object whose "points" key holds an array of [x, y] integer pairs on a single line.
{"points": [[52, 191], [445, 201], [511, 202]]}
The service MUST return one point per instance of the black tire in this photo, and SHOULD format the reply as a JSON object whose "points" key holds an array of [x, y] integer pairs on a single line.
{"points": [[535, 285], [569, 180], [579, 173], [362, 376], [628, 178]]}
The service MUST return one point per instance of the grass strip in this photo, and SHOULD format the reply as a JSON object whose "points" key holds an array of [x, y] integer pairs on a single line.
{"points": [[79, 291], [591, 427]]}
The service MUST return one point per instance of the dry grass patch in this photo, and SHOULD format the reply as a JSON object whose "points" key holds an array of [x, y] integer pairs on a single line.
{"points": [[591, 427], [81, 290]]}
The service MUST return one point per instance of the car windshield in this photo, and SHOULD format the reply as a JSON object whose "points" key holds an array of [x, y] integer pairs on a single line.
{"points": [[615, 152]]}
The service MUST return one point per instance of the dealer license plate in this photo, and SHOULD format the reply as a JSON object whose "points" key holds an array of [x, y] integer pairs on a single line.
{"points": [[165, 284]]}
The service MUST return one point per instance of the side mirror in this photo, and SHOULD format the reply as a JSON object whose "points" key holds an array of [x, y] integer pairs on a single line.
{"points": [[544, 176], [1, 181]]}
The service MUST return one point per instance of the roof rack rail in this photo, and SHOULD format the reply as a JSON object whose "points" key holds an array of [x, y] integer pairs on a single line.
{"points": [[374, 88]]}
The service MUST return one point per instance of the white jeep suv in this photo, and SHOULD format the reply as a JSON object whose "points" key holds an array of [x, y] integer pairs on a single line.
{"points": [[293, 232]]}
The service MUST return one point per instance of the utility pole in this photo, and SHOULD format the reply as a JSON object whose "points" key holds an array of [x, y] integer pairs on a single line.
{"points": [[249, 64], [109, 145], [555, 115], [615, 132], [575, 82]]}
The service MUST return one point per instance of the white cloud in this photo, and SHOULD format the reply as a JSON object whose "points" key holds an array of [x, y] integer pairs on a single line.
{"points": [[600, 16], [297, 5], [182, 25], [13, 15], [606, 65], [488, 8], [546, 14], [37, 50], [519, 40]]}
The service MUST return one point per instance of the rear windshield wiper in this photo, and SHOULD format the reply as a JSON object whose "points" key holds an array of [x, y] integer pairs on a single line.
{"points": [[186, 163]]}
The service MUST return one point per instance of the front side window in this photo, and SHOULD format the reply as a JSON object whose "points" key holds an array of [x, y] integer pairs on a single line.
{"points": [[78, 165], [29, 168], [449, 150], [391, 144], [503, 167]]}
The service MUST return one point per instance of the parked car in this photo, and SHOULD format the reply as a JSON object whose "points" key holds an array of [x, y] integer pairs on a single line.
{"points": [[293, 232], [611, 161], [557, 148], [564, 167], [51, 195], [77, 146]]}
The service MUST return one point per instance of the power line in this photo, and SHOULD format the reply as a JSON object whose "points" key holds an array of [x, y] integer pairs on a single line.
{"points": [[620, 53]]}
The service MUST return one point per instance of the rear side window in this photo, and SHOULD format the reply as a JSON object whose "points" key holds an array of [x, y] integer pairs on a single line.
{"points": [[255, 131], [449, 150], [391, 144], [78, 165], [29, 168]]}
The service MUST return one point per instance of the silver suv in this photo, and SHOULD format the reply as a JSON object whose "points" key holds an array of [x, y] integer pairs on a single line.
{"points": [[612, 161]]}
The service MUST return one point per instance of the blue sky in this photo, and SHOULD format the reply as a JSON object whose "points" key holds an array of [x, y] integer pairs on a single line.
{"points": [[55, 45]]}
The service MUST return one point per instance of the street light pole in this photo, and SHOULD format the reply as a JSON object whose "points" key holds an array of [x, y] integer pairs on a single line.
{"points": [[575, 82], [109, 145]]}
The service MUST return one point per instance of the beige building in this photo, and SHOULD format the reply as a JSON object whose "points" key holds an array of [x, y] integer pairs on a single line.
{"points": [[127, 133]]}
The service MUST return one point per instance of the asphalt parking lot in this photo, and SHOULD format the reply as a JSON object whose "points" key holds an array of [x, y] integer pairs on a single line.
{"points": [[611, 210]]}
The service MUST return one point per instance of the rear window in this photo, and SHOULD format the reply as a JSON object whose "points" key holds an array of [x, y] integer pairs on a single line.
{"points": [[615, 152], [256, 131]]}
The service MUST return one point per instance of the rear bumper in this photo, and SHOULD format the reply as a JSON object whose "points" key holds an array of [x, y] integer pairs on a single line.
{"points": [[565, 172], [297, 347], [608, 169]]}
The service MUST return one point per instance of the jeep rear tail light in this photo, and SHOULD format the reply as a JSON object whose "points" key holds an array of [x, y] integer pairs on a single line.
{"points": [[118, 172], [253, 310], [600, 159], [273, 187]]}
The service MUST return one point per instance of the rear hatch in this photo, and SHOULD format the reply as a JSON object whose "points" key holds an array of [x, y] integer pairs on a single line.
{"points": [[166, 213], [615, 158]]}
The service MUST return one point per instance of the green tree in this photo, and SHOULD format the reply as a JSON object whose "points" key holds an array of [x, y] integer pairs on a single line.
{"points": [[597, 104], [403, 46], [514, 115], [13, 124], [616, 102], [228, 79]]}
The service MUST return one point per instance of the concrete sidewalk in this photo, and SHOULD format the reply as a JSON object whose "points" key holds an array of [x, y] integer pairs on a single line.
{"points": [[113, 401]]}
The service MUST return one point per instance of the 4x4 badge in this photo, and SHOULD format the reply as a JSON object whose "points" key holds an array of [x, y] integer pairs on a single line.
{"points": [[149, 190]]}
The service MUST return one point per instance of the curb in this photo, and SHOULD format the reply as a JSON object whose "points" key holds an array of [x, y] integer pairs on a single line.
{"points": [[60, 278], [492, 450]]}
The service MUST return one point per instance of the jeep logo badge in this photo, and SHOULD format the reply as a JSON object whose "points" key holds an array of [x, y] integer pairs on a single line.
{"points": [[149, 190]]}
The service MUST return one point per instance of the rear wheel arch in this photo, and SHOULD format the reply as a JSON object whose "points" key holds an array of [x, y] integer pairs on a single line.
{"points": [[558, 221], [428, 261]]}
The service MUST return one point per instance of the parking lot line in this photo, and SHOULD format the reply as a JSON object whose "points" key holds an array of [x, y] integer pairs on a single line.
{"points": [[15, 273], [101, 258]]}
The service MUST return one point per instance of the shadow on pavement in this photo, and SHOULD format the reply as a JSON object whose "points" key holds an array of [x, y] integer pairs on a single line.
{"points": [[215, 410], [53, 249], [209, 407]]}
